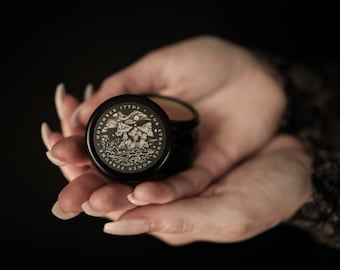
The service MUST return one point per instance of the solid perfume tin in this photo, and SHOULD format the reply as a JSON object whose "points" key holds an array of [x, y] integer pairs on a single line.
{"points": [[134, 138]]}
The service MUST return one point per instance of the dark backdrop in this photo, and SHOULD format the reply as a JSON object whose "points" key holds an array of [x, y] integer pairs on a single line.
{"points": [[45, 45]]}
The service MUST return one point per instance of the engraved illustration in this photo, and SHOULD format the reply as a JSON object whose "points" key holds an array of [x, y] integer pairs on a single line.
{"points": [[129, 141]]}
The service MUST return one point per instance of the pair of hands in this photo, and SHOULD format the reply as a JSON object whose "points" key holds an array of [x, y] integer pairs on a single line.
{"points": [[244, 179]]}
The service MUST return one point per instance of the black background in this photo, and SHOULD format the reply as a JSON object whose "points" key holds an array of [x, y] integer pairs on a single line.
{"points": [[78, 44]]}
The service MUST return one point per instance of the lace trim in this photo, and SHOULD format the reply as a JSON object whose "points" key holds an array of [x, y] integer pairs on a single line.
{"points": [[311, 116]]}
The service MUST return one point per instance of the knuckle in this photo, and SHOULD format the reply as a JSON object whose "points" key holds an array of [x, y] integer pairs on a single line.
{"points": [[175, 226], [239, 230]]}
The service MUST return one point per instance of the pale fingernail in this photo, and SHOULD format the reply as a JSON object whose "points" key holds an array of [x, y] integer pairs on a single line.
{"points": [[54, 160], [136, 202], [74, 118], [59, 213], [88, 91], [45, 132], [127, 227], [58, 98], [89, 211]]}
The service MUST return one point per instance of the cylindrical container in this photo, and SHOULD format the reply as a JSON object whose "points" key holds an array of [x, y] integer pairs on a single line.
{"points": [[183, 122], [134, 138]]}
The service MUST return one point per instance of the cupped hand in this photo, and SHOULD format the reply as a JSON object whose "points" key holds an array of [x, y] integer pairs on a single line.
{"points": [[238, 100], [254, 197]]}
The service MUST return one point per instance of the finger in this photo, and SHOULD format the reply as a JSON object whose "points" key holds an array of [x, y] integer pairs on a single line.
{"points": [[149, 219], [70, 150], [88, 93], [65, 105], [199, 218], [70, 155], [210, 162], [48, 136], [114, 215], [71, 172], [184, 184], [73, 121], [109, 200], [74, 194]]}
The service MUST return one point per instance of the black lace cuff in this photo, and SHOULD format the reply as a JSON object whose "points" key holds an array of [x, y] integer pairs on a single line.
{"points": [[312, 115]]}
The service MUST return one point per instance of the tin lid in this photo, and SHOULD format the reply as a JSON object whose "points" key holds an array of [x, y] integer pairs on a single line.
{"points": [[129, 138], [181, 114]]}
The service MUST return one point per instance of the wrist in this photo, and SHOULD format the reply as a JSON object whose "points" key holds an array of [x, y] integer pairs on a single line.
{"points": [[309, 117]]}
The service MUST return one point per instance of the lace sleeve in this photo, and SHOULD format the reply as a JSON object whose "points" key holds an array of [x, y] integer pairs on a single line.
{"points": [[312, 115]]}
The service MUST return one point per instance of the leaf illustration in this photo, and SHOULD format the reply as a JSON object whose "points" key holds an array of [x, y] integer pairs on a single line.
{"points": [[146, 128]]}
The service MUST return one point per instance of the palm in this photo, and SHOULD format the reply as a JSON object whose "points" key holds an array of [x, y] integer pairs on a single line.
{"points": [[249, 200]]}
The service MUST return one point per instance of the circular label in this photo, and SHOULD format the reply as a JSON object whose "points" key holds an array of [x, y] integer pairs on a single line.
{"points": [[129, 137]]}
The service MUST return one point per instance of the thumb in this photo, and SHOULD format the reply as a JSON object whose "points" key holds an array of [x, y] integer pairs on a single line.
{"points": [[207, 218]]}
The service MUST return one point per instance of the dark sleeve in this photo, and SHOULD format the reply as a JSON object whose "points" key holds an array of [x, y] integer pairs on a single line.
{"points": [[312, 115]]}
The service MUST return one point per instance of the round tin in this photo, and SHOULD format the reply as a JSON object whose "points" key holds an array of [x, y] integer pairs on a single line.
{"points": [[130, 138], [184, 133]]}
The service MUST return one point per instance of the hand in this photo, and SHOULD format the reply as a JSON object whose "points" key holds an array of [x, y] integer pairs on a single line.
{"points": [[238, 100], [255, 196]]}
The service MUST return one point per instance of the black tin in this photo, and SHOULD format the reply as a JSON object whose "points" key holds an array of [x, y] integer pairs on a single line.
{"points": [[130, 138], [184, 137], [184, 131]]}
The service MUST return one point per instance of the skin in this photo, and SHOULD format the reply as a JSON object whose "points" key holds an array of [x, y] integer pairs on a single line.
{"points": [[244, 180]]}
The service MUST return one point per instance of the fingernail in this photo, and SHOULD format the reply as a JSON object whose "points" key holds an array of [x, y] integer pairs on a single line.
{"points": [[88, 91], [136, 202], [74, 117], [45, 132], [89, 211], [58, 98], [59, 213], [54, 160], [127, 227]]}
